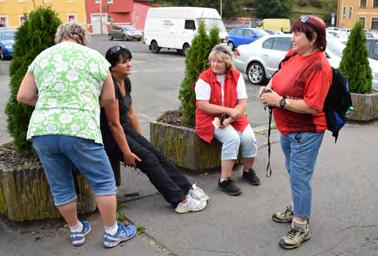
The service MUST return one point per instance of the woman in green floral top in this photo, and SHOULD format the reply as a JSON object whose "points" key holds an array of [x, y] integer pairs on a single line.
{"points": [[67, 83]]}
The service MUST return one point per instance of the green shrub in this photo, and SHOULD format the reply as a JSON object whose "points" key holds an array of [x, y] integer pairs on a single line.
{"points": [[354, 63], [196, 62], [35, 35]]}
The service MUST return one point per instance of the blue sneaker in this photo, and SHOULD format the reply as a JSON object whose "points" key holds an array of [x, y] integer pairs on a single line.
{"points": [[78, 238], [123, 233]]}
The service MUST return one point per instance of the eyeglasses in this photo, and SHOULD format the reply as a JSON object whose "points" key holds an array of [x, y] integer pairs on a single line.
{"points": [[221, 49], [116, 49]]}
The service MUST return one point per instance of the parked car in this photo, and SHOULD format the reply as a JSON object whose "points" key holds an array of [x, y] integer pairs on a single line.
{"points": [[124, 32], [260, 59], [372, 46], [273, 32], [239, 36], [6, 43]]}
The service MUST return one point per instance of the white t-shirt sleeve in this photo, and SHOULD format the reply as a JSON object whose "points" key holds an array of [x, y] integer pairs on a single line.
{"points": [[202, 90], [241, 92]]}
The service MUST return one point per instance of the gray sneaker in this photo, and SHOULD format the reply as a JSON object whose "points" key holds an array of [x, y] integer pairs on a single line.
{"points": [[295, 237], [284, 217]]}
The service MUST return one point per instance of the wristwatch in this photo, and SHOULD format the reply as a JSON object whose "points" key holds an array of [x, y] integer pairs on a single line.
{"points": [[283, 102]]}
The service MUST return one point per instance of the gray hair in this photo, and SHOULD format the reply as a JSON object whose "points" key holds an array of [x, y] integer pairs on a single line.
{"points": [[224, 53], [72, 31]]}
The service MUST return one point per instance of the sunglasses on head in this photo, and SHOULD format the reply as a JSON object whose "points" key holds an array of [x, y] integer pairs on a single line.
{"points": [[116, 49], [304, 19]]}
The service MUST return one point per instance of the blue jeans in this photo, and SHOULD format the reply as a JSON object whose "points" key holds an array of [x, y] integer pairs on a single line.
{"points": [[301, 150], [61, 155]]}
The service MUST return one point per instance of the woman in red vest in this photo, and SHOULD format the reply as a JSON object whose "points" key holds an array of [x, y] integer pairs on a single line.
{"points": [[220, 112]]}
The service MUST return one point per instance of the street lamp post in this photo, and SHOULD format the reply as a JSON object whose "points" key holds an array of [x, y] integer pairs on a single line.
{"points": [[101, 17], [220, 7]]}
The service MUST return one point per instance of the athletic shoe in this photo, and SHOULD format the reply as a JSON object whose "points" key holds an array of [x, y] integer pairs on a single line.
{"points": [[284, 217], [124, 233], [229, 187], [295, 237], [198, 193], [78, 238], [191, 205], [251, 177]]}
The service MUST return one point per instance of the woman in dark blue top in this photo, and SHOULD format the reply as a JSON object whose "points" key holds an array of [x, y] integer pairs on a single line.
{"points": [[123, 141]]}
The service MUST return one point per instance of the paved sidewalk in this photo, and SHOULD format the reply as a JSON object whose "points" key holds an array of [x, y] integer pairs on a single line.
{"points": [[345, 188]]}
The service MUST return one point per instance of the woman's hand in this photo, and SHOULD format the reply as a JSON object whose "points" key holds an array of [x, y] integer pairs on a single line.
{"points": [[130, 159], [269, 99], [226, 122]]}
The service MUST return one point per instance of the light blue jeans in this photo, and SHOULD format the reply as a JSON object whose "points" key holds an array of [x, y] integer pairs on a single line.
{"points": [[301, 150], [61, 155], [232, 139]]}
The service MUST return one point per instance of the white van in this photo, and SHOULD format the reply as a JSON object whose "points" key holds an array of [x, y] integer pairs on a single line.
{"points": [[175, 27]]}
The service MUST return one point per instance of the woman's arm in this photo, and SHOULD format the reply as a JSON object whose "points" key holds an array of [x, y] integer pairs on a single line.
{"points": [[107, 94], [133, 118], [112, 115], [213, 109], [28, 92]]}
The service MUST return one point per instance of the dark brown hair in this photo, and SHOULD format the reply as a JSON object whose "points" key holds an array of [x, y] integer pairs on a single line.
{"points": [[309, 25]]}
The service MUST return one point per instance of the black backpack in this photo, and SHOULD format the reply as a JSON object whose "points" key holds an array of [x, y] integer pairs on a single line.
{"points": [[337, 103]]}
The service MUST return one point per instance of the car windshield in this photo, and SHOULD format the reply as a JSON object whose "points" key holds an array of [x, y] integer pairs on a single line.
{"points": [[259, 32], [335, 47], [128, 27], [8, 35], [210, 23]]}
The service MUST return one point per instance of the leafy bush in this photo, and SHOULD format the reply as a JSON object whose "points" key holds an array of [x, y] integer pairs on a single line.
{"points": [[196, 62], [354, 63], [35, 35]]}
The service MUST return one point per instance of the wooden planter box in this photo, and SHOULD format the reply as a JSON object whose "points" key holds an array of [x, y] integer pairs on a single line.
{"points": [[184, 148], [25, 193], [365, 107]]}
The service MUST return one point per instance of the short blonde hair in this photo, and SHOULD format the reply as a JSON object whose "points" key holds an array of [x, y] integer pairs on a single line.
{"points": [[72, 31], [222, 52]]}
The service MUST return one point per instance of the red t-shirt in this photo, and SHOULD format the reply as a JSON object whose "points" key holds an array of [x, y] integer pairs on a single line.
{"points": [[303, 77]]}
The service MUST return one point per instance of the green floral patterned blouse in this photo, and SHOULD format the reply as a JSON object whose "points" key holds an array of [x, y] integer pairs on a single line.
{"points": [[69, 79]]}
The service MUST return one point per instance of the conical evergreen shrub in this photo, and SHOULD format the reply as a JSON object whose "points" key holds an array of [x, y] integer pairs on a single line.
{"points": [[354, 63], [35, 35], [196, 62]]}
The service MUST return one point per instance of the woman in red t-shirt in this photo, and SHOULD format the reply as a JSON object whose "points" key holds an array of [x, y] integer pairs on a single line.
{"points": [[298, 93]]}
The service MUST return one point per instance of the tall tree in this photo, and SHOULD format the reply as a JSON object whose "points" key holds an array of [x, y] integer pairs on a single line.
{"points": [[35, 35], [273, 8], [354, 63]]}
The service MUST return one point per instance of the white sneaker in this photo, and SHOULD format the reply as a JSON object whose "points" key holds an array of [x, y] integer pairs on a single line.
{"points": [[191, 205], [198, 193]]}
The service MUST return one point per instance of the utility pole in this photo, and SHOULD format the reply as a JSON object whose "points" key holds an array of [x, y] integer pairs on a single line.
{"points": [[102, 32], [220, 8]]}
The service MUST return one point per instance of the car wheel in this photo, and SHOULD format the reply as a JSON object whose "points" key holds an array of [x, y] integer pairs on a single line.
{"points": [[125, 38], [1, 54], [185, 49], [256, 73], [110, 37], [231, 45], [154, 47]]}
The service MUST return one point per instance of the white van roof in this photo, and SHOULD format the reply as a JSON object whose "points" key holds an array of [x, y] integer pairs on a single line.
{"points": [[183, 12]]}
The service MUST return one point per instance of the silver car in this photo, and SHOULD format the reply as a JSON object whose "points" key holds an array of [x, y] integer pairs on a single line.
{"points": [[124, 32], [260, 59]]}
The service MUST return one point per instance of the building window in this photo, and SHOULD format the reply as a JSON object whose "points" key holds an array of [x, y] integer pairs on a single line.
{"points": [[363, 3], [350, 12], [362, 20], [374, 23], [375, 4], [21, 18], [344, 12], [3, 21], [104, 1], [71, 17]]}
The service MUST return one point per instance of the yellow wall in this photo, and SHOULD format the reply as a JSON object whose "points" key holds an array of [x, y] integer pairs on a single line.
{"points": [[345, 21], [13, 9]]}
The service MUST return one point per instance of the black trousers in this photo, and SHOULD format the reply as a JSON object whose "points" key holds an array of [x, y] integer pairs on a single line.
{"points": [[166, 178]]}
